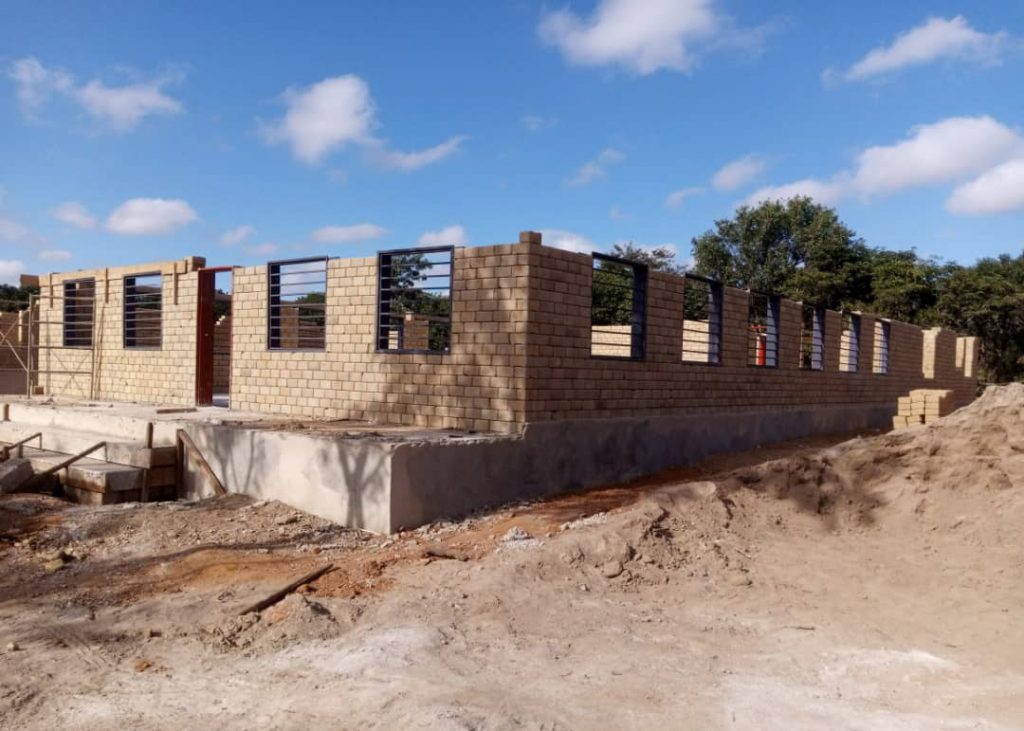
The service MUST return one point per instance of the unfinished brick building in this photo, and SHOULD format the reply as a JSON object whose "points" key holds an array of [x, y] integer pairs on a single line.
{"points": [[597, 368]]}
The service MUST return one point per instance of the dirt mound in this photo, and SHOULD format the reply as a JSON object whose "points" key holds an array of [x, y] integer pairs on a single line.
{"points": [[977, 449], [296, 618], [675, 532], [868, 584], [936, 477]]}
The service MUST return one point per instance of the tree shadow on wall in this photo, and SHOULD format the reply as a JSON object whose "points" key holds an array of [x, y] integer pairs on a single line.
{"points": [[242, 460], [363, 476]]}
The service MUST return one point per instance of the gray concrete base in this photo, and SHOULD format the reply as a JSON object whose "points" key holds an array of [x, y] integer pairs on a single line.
{"points": [[344, 480], [383, 486]]}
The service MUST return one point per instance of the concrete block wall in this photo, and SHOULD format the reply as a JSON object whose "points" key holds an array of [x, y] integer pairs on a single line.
{"points": [[163, 374], [563, 381], [222, 354], [521, 351], [478, 385]]}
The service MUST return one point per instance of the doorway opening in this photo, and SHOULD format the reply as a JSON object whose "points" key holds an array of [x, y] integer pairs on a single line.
{"points": [[213, 341]]}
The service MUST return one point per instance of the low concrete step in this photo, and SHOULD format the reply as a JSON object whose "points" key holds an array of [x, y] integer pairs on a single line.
{"points": [[73, 441], [92, 481], [97, 419], [87, 473]]}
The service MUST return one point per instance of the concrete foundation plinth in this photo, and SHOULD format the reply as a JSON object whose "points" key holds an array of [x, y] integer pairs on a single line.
{"points": [[386, 485]]}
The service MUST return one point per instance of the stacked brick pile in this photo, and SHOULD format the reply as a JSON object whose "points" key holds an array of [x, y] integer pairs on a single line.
{"points": [[923, 406]]}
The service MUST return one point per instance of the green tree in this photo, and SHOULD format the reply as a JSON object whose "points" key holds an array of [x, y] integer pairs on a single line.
{"points": [[14, 298], [612, 294], [905, 287], [798, 249], [801, 250], [411, 278], [987, 300], [659, 258]]}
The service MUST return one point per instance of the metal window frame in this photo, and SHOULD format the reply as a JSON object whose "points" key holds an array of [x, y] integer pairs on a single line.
{"points": [[773, 329], [638, 315], [125, 310], [818, 335], [854, 349], [883, 347], [716, 303], [90, 333], [275, 301], [380, 336]]}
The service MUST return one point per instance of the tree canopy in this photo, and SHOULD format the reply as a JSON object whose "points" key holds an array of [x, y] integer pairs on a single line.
{"points": [[987, 300], [801, 250], [14, 298], [660, 258], [798, 249]]}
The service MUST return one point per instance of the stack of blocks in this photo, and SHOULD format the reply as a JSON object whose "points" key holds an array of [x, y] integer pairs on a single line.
{"points": [[923, 406]]}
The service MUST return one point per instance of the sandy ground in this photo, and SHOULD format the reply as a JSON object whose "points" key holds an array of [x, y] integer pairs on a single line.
{"points": [[872, 584]]}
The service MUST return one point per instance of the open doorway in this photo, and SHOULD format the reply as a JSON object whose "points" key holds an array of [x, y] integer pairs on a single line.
{"points": [[213, 341]]}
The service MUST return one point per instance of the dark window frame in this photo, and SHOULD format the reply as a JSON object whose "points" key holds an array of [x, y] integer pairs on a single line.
{"points": [[816, 363], [72, 334], [382, 334], [130, 335], [638, 309], [716, 301], [773, 329], [274, 300]]}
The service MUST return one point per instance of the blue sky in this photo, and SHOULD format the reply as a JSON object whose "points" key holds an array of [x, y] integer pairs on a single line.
{"points": [[138, 131]]}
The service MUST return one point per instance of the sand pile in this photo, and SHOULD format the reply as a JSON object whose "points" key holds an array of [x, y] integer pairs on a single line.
{"points": [[976, 449], [937, 477]]}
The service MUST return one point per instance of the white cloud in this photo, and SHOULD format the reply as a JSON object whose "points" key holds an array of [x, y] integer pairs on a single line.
{"points": [[339, 111], [447, 236], [325, 117], [948, 151], [149, 216], [945, 151], [347, 234], [567, 241], [999, 190], [35, 83], [123, 107], [826, 192], [120, 108], [640, 35], [262, 249], [537, 123], [615, 213], [596, 169], [55, 255], [237, 235], [933, 40], [739, 173], [407, 161], [74, 214], [676, 198], [10, 271]]}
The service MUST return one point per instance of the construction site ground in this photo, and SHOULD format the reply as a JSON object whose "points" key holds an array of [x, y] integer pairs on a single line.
{"points": [[871, 583]]}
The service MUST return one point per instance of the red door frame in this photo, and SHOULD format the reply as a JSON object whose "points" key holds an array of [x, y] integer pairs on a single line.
{"points": [[204, 332]]}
